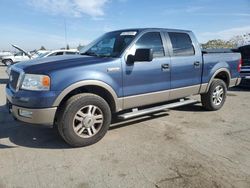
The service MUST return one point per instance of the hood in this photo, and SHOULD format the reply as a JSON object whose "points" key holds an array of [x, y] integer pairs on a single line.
{"points": [[20, 49], [49, 64]]}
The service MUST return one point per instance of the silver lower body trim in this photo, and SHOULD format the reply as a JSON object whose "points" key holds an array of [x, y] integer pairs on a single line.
{"points": [[43, 116], [184, 92], [203, 88], [145, 99], [161, 96], [234, 82]]}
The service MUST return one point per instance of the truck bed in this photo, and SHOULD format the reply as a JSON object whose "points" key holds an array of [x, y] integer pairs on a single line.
{"points": [[212, 60]]}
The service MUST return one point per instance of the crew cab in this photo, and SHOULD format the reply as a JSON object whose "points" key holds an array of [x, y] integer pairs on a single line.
{"points": [[125, 73]]}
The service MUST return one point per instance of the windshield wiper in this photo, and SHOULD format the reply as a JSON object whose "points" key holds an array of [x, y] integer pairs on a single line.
{"points": [[102, 55]]}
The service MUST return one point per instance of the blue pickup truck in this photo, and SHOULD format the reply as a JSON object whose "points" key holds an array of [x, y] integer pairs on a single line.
{"points": [[125, 73]]}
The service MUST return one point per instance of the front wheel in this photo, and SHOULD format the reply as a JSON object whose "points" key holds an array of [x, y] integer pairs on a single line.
{"points": [[215, 98], [8, 62], [84, 120]]}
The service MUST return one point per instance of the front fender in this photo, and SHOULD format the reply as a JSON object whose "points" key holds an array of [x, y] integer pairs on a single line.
{"points": [[66, 91]]}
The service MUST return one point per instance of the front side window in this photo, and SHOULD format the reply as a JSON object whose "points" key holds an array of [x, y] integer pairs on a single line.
{"points": [[182, 44], [59, 53], [152, 41], [110, 45]]}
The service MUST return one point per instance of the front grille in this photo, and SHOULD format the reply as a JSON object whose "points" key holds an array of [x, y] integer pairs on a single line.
{"points": [[14, 75], [246, 62]]}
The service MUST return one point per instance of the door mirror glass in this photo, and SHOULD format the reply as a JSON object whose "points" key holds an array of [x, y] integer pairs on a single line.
{"points": [[143, 55], [140, 55]]}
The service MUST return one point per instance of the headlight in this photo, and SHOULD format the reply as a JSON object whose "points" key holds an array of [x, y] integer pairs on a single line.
{"points": [[36, 82]]}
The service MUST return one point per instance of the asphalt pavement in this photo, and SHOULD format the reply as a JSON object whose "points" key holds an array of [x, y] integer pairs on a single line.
{"points": [[183, 147]]}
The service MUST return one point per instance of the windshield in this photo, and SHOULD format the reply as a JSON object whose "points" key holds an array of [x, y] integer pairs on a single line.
{"points": [[110, 45], [18, 54], [41, 55]]}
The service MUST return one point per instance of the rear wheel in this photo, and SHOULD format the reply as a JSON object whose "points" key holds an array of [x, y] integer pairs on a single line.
{"points": [[84, 120], [215, 98]]}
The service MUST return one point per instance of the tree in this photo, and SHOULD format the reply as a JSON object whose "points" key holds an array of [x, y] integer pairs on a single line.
{"points": [[218, 43], [42, 48], [241, 40], [238, 40]]}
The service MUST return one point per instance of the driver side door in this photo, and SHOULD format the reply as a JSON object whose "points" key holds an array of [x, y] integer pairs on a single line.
{"points": [[147, 82]]}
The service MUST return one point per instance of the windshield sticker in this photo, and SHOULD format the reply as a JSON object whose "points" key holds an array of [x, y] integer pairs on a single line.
{"points": [[133, 33]]}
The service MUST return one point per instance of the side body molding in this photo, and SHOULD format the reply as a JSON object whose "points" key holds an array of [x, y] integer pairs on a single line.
{"points": [[118, 102]]}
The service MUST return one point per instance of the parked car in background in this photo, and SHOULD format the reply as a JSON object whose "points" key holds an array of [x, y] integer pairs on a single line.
{"points": [[58, 53], [44, 54], [2, 54], [22, 55], [245, 68], [125, 73], [37, 53]]}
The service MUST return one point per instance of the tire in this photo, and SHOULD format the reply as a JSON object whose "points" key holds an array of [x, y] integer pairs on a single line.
{"points": [[8, 62], [84, 119], [215, 98]]}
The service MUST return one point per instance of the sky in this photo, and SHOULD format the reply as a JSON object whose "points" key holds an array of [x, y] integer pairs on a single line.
{"points": [[31, 24]]}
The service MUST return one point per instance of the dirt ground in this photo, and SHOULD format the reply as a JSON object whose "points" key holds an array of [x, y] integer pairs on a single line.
{"points": [[183, 147]]}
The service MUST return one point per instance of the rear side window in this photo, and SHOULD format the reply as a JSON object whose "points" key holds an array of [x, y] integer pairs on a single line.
{"points": [[59, 53], [70, 53], [151, 40], [182, 44]]}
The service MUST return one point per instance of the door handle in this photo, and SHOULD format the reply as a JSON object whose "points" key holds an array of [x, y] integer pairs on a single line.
{"points": [[165, 66], [196, 64]]}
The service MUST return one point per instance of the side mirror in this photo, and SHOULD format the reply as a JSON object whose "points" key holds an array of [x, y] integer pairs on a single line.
{"points": [[140, 55], [130, 59]]}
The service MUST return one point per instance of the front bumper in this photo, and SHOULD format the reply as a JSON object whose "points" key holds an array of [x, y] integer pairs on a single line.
{"points": [[43, 116], [31, 107]]}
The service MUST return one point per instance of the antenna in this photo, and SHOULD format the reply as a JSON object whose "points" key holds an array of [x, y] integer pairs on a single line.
{"points": [[65, 32]]}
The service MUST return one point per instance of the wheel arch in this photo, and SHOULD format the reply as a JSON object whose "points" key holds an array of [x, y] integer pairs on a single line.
{"points": [[7, 59], [223, 74], [91, 86]]}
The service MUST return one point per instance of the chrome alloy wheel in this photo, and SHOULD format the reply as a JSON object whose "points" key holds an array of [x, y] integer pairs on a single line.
{"points": [[88, 121], [218, 95]]}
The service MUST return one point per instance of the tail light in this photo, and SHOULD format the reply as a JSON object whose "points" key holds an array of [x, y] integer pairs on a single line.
{"points": [[239, 65]]}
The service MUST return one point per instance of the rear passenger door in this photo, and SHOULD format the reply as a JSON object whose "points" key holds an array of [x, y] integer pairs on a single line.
{"points": [[186, 65]]}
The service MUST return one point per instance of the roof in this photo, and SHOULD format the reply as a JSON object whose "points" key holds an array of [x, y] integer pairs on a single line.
{"points": [[146, 29], [70, 50]]}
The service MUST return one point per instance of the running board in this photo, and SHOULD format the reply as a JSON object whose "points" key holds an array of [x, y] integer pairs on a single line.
{"points": [[136, 112]]}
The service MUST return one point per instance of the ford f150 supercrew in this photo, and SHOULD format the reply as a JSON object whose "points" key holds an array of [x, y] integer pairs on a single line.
{"points": [[124, 73]]}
